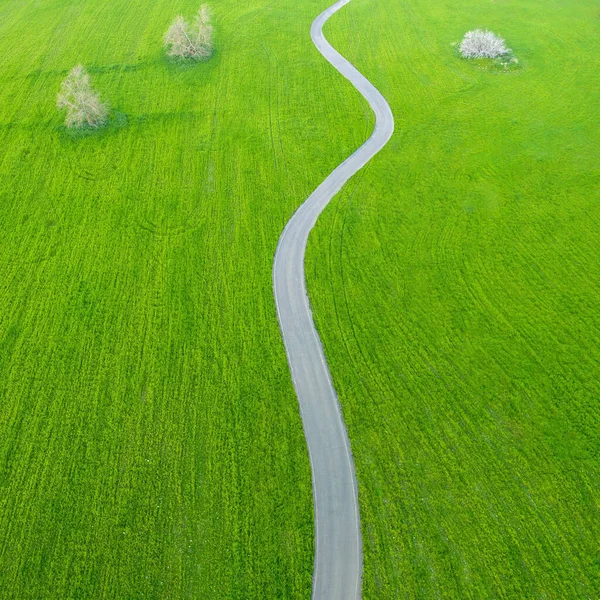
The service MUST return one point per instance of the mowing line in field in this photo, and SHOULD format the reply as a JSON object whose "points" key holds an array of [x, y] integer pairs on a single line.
{"points": [[338, 547]]}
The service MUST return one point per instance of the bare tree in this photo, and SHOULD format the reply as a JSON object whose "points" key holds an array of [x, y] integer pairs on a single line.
{"points": [[204, 31], [481, 43], [83, 105], [183, 40]]}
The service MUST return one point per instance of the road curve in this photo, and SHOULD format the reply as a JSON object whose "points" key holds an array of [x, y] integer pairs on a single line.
{"points": [[338, 547]]}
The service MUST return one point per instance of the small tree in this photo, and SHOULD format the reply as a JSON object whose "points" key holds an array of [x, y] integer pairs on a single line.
{"points": [[83, 105], [481, 43], [194, 41]]}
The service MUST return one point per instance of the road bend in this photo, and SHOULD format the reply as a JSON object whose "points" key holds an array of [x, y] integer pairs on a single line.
{"points": [[338, 546]]}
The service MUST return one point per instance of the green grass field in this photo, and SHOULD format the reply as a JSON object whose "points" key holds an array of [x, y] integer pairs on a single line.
{"points": [[150, 441], [456, 286]]}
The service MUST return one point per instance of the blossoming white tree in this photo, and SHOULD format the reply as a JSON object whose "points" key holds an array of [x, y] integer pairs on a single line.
{"points": [[481, 43], [183, 40], [82, 103]]}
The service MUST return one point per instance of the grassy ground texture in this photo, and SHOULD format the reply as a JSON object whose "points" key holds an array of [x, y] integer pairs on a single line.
{"points": [[455, 284], [150, 440]]}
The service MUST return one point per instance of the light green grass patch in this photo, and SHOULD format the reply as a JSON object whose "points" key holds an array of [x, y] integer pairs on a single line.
{"points": [[455, 285], [150, 440]]}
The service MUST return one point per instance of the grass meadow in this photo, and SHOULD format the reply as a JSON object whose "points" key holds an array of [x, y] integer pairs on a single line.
{"points": [[456, 286], [150, 440]]}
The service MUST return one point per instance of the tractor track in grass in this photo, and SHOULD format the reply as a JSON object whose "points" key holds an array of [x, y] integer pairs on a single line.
{"points": [[338, 547]]}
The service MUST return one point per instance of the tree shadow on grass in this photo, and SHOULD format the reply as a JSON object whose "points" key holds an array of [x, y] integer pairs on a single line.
{"points": [[116, 122], [191, 72], [189, 65]]}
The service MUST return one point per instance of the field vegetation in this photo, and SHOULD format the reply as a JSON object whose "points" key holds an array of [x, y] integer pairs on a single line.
{"points": [[185, 40], [150, 440], [455, 284], [82, 103], [480, 43]]}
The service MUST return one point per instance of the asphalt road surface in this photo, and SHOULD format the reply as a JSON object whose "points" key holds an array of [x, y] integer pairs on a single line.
{"points": [[338, 546]]}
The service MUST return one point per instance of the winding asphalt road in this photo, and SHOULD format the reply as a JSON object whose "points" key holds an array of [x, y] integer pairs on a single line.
{"points": [[338, 547]]}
